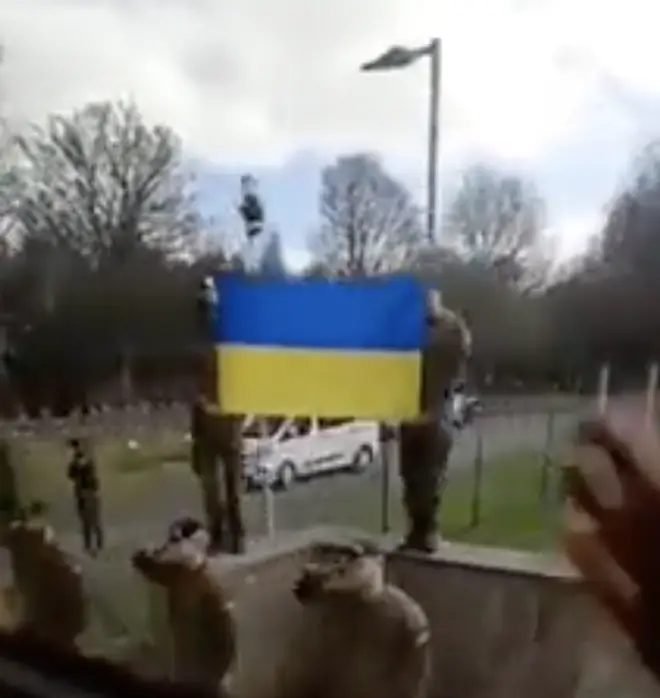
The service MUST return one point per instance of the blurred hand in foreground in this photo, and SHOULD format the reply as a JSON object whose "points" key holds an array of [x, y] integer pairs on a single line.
{"points": [[612, 484]]}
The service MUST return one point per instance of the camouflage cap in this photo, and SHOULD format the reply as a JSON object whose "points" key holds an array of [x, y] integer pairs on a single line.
{"points": [[184, 553], [351, 548], [183, 527]]}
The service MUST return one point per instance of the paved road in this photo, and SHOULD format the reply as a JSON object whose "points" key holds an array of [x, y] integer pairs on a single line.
{"points": [[323, 500], [341, 498], [333, 499]]}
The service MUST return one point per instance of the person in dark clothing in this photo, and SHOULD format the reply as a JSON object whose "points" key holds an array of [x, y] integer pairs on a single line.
{"points": [[83, 475], [251, 208]]}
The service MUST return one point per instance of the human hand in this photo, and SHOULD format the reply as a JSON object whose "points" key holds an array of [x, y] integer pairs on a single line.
{"points": [[612, 483]]}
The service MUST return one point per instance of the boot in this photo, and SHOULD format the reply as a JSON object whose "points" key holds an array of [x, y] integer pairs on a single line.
{"points": [[427, 543], [216, 535], [421, 499], [423, 536], [238, 544]]}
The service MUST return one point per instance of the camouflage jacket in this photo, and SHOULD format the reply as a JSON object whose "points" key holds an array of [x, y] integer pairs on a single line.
{"points": [[200, 616], [48, 583]]}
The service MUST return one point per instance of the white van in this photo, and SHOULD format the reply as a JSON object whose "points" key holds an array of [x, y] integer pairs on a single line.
{"points": [[279, 451]]}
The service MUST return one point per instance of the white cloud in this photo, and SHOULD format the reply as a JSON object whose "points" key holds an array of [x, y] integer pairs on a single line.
{"points": [[296, 259], [255, 81], [259, 79], [574, 234]]}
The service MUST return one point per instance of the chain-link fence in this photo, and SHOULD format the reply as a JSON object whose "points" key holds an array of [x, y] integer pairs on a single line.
{"points": [[502, 490]]}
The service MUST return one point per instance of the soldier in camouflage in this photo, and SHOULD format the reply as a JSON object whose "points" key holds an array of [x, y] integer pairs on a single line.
{"points": [[217, 436], [425, 443], [360, 636], [51, 600], [216, 440], [201, 621], [10, 501]]}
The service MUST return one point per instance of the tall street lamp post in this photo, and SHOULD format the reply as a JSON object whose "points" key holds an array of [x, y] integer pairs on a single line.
{"points": [[398, 57]]}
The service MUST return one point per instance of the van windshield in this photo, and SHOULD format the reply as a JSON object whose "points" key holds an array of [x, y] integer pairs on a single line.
{"points": [[254, 428]]}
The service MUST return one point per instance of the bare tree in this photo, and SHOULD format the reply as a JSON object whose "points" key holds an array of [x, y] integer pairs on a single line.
{"points": [[629, 243], [101, 183], [370, 222], [5, 170], [496, 218]]}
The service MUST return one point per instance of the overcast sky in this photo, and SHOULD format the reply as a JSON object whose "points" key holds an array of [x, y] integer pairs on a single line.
{"points": [[563, 89]]}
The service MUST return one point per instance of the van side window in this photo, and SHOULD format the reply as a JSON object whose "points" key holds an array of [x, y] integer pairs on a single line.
{"points": [[255, 426], [330, 422], [301, 426]]}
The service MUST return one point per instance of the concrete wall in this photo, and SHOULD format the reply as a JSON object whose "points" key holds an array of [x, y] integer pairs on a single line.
{"points": [[504, 624], [268, 616], [517, 624]]}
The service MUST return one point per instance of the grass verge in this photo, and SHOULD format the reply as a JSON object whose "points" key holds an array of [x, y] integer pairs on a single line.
{"points": [[516, 511], [511, 509]]}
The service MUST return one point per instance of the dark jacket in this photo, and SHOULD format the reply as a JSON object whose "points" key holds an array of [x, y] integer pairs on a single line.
{"points": [[252, 212], [82, 473]]}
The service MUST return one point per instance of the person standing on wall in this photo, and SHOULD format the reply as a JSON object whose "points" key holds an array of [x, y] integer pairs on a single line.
{"points": [[83, 475], [216, 442]]}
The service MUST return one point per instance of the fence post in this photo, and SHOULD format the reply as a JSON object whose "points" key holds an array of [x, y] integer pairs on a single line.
{"points": [[651, 391], [603, 388], [546, 457], [267, 488], [388, 437], [475, 509]]}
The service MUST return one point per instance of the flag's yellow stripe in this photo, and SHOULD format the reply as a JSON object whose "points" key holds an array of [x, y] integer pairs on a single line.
{"points": [[368, 385]]}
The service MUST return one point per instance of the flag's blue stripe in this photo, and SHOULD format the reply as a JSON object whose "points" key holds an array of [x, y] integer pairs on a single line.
{"points": [[366, 314]]}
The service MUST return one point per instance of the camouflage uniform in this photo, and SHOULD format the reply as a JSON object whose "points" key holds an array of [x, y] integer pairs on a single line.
{"points": [[200, 617], [10, 501], [361, 637], [425, 444], [49, 586], [217, 441]]}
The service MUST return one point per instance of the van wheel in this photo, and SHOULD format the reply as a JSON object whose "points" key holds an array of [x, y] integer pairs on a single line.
{"points": [[362, 459], [286, 475]]}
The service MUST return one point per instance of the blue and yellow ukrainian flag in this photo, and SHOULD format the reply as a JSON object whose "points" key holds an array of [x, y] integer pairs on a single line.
{"points": [[317, 347]]}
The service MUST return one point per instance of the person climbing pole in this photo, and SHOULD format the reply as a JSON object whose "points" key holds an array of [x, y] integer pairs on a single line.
{"points": [[262, 249], [251, 207]]}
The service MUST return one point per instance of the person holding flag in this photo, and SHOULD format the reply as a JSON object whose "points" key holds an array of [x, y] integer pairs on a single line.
{"points": [[382, 349]]}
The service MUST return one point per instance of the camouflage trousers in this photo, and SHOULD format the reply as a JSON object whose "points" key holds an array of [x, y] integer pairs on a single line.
{"points": [[222, 507], [423, 458], [216, 460]]}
